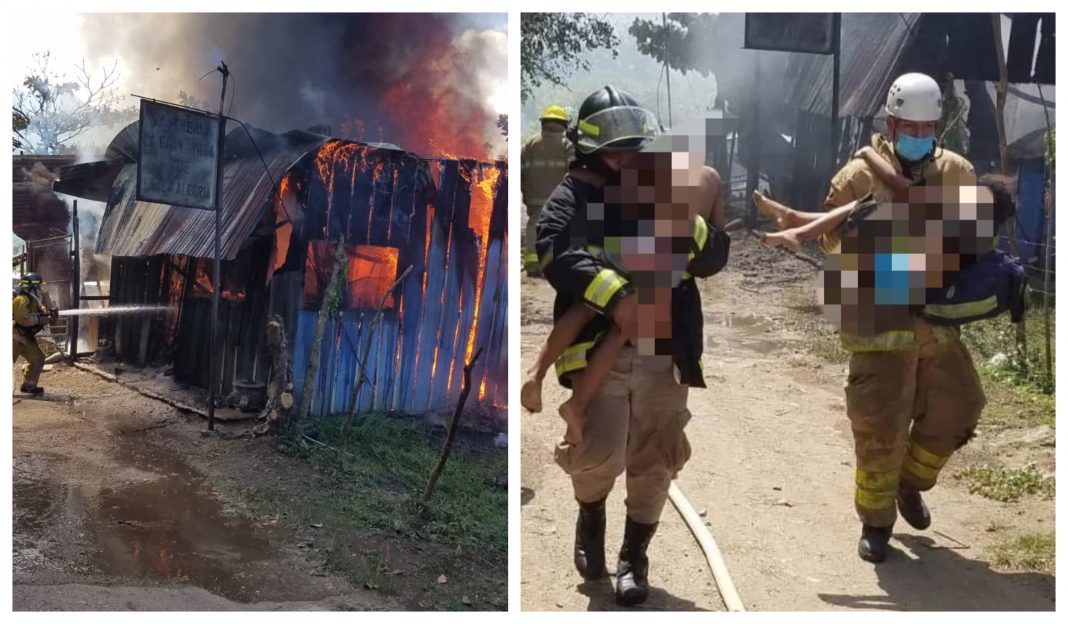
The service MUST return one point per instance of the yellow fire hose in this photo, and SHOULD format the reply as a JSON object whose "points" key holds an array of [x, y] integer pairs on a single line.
{"points": [[708, 545]]}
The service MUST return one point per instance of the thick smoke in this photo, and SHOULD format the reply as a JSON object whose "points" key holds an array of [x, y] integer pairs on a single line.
{"points": [[420, 81]]}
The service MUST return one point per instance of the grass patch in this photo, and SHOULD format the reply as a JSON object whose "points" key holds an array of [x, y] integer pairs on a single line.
{"points": [[1036, 552], [375, 500], [993, 344], [388, 462], [1007, 484], [1012, 405]]}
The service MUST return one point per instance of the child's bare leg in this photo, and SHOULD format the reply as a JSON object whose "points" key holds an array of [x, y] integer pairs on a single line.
{"points": [[781, 215], [785, 238], [792, 238], [600, 363], [564, 333]]}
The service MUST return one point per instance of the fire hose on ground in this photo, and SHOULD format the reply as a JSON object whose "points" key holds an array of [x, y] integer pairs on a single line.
{"points": [[708, 545]]}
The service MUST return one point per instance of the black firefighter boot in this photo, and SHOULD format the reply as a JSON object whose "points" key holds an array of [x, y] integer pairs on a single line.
{"points": [[34, 390], [912, 508], [874, 542], [589, 540], [632, 573]]}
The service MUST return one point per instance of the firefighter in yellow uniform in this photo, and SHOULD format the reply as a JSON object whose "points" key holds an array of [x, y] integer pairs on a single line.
{"points": [[913, 396], [544, 162], [30, 316]]}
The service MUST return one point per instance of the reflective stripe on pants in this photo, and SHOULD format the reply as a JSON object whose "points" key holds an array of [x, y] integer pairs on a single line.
{"points": [[909, 411]]}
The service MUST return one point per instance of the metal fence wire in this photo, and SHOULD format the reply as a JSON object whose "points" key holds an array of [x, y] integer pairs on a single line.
{"points": [[51, 258]]}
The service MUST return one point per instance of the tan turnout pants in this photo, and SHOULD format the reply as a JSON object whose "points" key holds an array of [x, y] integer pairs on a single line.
{"points": [[27, 348], [635, 424], [530, 254], [909, 410]]}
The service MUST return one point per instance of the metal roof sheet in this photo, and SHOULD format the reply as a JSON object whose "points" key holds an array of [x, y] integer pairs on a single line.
{"points": [[872, 44], [134, 228]]}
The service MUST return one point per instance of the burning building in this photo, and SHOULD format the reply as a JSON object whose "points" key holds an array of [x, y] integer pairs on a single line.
{"points": [[287, 200]]}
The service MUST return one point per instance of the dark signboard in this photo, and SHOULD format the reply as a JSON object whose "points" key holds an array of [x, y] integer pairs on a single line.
{"points": [[790, 32], [177, 156]]}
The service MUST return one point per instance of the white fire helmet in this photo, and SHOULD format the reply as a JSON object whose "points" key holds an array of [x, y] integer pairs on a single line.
{"points": [[915, 97]]}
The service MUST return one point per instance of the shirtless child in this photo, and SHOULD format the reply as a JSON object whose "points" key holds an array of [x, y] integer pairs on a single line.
{"points": [[972, 216], [678, 194]]}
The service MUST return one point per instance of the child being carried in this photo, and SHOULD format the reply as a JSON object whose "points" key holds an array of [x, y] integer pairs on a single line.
{"points": [[659, 196]]}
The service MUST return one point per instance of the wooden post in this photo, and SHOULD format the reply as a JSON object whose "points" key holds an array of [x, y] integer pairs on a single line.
{"points": [[308, 394], [1048, 249], [752, 165], [76, 285], [454, 423], [835, 89], [1051, 187], [217, 261], [1002, 89], [667, 68]]}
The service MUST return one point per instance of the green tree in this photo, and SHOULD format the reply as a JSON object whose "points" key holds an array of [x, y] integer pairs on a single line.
{"points": [[952, 129], [678, 40], [552, 46]]}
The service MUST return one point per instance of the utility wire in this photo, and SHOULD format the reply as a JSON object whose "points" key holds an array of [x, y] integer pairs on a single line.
{"points": [[266, 169]]}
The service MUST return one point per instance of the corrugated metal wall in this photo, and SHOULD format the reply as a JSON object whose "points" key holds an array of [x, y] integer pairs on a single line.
{"points": [[424, 208], [446, 219]]}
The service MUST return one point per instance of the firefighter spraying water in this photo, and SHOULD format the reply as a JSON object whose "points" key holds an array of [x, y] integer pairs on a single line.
{"points": [[30, 317]]}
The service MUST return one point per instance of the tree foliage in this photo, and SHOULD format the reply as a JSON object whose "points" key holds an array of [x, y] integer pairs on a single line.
{"points": [[192, 101], [552, 46], [678, 40], [49, 109], [952, 129]]}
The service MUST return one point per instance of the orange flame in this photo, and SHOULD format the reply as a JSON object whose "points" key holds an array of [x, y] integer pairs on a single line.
{"points": [[479, 218], [371, 272], [433, 116]]}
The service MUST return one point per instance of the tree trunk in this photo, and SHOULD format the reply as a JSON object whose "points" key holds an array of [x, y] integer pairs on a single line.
{"points": [[1002, 89], [308, 395], [280, 388], [454, 423]]}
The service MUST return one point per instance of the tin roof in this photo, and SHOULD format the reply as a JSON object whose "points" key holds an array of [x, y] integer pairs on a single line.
{"points": [[136, 228]]}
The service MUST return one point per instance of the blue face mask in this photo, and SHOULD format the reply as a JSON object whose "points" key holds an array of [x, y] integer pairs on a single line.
{"points": [[913, 148]]}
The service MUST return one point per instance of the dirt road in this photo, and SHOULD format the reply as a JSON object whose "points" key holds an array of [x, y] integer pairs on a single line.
{"points": [[773, 468], [118, 505]]}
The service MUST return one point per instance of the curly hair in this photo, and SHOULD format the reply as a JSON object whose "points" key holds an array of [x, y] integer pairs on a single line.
{"points": [[1003, 188]]}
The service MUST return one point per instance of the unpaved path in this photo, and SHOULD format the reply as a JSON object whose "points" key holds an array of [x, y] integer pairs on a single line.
{"points": [[773, 467], [115, 509]]}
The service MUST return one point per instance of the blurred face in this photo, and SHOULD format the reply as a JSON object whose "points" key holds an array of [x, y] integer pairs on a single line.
{"points": [[552, 125], [911, 128], [617, 160]]}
